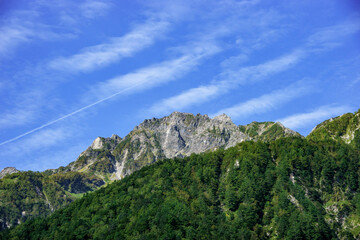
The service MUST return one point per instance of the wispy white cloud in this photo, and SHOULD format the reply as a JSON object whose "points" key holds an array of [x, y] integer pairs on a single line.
{"points": [[38, 144], [19, 116], [224, 82], [12, 36], [266, 102], [101, 55], [302, 120], [39, 140], [23, 108], [261, 71], [149, 77]]}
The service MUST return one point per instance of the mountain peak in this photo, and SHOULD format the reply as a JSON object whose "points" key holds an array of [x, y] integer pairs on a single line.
{"points": [[223, 118], [115, 137], [97, 143]]}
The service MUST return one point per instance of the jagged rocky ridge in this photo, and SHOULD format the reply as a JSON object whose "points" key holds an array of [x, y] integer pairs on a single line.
{"points": [[177, 135]]}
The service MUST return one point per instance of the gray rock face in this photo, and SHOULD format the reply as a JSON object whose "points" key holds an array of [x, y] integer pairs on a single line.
{"points": [[181, 134], [97, 143], [8, 170], [177, 135]]}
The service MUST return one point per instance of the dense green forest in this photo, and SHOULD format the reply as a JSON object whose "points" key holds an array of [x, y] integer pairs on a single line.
{"points": [[24, 195], [291, 188]]}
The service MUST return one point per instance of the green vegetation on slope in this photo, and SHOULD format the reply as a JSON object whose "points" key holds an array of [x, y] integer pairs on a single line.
{"points": [[267, 131], [344, 128], [27, 194], [291, 188]]}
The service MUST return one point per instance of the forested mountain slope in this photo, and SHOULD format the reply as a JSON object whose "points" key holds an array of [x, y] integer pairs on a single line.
{"points": [[291, 188], [27, 194], [24, 195], [345, 128]]}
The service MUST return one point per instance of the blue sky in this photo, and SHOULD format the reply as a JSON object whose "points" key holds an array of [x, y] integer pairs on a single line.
{"points": [[75, 70]]}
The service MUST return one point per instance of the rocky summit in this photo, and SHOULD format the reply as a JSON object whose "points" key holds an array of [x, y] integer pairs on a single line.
{"points": [[177, 135]]}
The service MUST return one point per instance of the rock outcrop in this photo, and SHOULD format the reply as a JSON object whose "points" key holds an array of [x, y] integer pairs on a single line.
{"points": [[8, 170]]}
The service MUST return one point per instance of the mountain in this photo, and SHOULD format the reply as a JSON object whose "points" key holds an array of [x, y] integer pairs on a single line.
{"points": [[275, 187], [177, 135], [290, 188], [28, 194]]}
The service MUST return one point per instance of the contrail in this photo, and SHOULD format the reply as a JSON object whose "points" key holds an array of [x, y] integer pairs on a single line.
{"points": [[69, 115]]}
